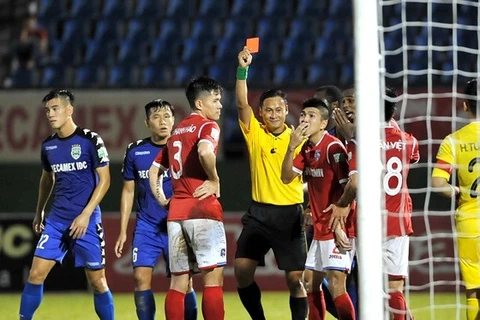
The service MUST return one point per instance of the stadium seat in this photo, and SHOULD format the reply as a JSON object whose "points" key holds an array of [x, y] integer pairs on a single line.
{"points": [[227, 49], [324, 48], [205, 29], [139, 31], [246, 8], [87, 76], [53, 76], [303, 29], [107, 31], [48, 9], [288, 74], [149, 9], [321, 73], [172, 30], [224, 73], [340, 8], [213, 9], [238, 29], [115, 10], [131, 52], [394, 63], [196, 50], [155, 75], [347, 73], [164, 52], [260, 75], [181, 9], [278, 9], [121, 76], [294, 50], [184, 73], [311, 8], [22, 78], [84, 10], [331, 29], [442, 12], [98, 53], [271, 28]]}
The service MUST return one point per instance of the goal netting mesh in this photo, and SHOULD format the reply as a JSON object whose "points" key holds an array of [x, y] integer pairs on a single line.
{"points": [[430, 50]]}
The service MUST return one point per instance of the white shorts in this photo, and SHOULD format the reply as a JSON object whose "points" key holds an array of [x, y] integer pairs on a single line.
{"points": [[196, 242], [324, 255], [395, 256]]}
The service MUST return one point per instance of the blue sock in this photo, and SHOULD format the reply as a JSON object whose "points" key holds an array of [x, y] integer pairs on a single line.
{"points": [[145, 304], [31, 297], [191, 309], [104, 305]]}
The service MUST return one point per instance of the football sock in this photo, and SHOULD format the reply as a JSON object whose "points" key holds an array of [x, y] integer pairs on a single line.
{"points": [[251, 298], [316, 303], [145, 305], [191, 308], [473, 308], [31, 297], [299, 308], [398, 305], [175, 305], [344, 306], [104, 305], [212, 303]]}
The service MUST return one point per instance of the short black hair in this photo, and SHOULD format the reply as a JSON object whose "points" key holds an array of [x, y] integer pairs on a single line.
{"points": [[272, 93], [471, 91], [332, 94], [317, 104], [200, 85], [59, 93], [157, 104], [390, 103]]}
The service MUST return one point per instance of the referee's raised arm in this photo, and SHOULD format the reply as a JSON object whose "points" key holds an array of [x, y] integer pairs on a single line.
{"points": [[244, 109]]}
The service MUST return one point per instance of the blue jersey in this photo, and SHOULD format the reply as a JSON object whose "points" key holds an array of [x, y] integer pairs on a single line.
{"points": [[138, 159], [73, 161]]}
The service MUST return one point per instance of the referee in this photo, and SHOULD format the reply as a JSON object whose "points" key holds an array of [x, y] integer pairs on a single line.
{"points": [[274, 219]]}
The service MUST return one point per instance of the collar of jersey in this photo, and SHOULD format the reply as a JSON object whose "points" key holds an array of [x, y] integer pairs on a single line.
{"points": [[281, 135]]}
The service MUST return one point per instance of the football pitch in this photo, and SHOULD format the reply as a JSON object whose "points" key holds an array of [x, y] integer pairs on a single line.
{"points": [[72, 306]]}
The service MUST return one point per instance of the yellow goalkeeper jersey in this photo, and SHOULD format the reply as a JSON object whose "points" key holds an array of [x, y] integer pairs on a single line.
{"points": [[460, 151]]}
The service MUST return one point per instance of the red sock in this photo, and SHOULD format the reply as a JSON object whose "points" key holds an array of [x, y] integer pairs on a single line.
{"points": [[316, 305], [212, 303], [175, 305], [344, 306], [398, 305]]}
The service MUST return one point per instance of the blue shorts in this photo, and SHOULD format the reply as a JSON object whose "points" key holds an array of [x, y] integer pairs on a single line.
{"points": [[88, 251], [147, 247]]}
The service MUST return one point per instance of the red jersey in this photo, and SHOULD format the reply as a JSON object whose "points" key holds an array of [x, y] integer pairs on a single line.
{"points": [[180, 156], [352, 156], [400, 150], [352, 166], [324, 168]]}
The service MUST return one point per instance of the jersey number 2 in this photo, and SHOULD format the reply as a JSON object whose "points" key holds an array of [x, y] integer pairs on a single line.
{"points": [[178, 157], [473, 188], [394, 169], [41, 242]]}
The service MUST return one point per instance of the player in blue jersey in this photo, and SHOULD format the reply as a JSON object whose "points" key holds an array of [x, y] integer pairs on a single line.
{"points": [[150, 240], [76, 168]]}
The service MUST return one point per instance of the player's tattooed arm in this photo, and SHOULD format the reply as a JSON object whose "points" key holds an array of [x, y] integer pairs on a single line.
{"points": [[155, 177]]}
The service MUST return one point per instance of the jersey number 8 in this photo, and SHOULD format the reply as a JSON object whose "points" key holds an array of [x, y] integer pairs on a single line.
{"points": [[394, 170]]}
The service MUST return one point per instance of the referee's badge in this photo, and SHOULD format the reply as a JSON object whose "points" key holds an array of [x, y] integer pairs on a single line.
{"points": [[76, 151], [317, 155]]}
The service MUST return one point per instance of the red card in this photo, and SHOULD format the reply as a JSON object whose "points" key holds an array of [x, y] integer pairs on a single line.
{"points": [[253, 44]]}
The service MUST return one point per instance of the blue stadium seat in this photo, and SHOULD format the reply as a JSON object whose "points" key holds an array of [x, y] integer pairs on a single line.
{"points": [[181, 9], [155, 75], [164, 52], [227, 49], [324, 48], [205, 29], [311, 8], [197, 51], [224, 73], [213, 9], [278, 9], [184, 73], [246, 8], [87, 76], [303, 29], [288, 74], [116, 9], [294, 50], [74, 32], [84, 10], [50, 8], [172, 29], [340, 8], [121, 76], [238, 29], [139, 31], [53, 76], [107, 31], [347, 73], [98, 53], [271, 28], [131, 52], [331, 28], [22, 77], [260, 75], [149, 9], [321, 73]]}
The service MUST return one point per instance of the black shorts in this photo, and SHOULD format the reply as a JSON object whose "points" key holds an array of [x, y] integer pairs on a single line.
{"points": [[274, 227]]}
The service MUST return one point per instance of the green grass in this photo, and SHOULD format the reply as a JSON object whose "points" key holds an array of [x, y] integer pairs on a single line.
{"points": [[80, 306]]}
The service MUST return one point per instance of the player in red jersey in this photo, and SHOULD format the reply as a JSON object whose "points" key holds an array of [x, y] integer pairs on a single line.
{"points": [[323, 162], [195, 219]]}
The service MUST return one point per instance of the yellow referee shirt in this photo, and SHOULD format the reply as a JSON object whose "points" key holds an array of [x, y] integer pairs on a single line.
{"points": [[266, 152], [461, 151]]}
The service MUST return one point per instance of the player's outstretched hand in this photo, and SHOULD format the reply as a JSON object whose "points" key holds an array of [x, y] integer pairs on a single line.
{"points": [[207, 189], [298, 135], [341, 241], [307, 218], [339, 216], [37, 224], [78, 228], [244, 57], [346, 128], [122, 237]]}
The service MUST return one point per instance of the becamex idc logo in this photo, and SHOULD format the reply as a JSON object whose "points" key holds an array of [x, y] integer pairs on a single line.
{"points": [[76, 151]]}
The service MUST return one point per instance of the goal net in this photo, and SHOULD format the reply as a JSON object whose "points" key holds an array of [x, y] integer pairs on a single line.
{"points": [[429, 51]]}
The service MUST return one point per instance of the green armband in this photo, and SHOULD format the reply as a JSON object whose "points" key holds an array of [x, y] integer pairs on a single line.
{"points": [[242, 73]]}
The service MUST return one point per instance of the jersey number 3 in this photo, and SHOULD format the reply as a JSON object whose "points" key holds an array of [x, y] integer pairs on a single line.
{"points": [[178, 158]]}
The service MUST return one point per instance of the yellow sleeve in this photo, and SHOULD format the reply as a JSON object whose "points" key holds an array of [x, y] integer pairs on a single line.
{"points": [[445, 159], [249, 133]]}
